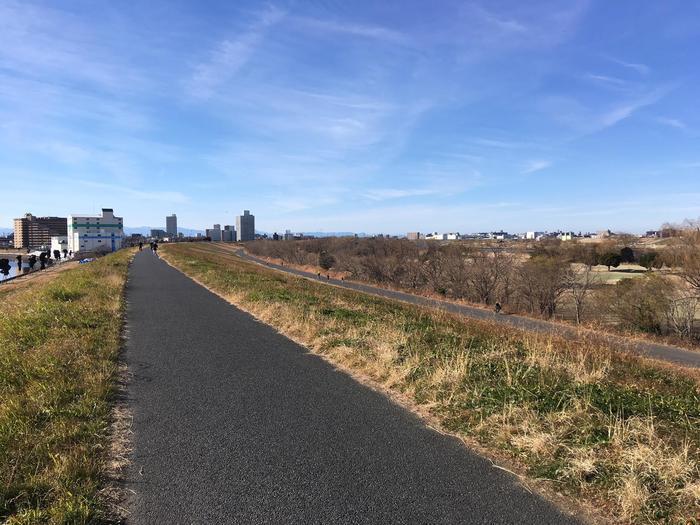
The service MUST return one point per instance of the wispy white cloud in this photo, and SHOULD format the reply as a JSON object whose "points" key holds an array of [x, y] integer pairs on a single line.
{"points": [[584, 119], [359, 30], [642, 69], [37, 41], [479, 31], [132, 193], [606, 80], [536, 165], [231, 55], [382, 194], [672, 122], [497, 143], [626, 109]]}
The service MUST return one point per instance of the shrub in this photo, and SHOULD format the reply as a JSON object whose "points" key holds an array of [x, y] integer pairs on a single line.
{"points": [[326, 260], [610, 259]]}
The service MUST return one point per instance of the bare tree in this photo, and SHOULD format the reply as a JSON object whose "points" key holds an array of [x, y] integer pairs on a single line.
{"points": [[681, 314], [543, 280], [580, 281], [686, 255], [433, 270], [483, 275]]}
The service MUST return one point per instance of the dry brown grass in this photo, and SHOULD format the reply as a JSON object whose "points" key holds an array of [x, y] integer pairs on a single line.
{"points": [[597, 425]]}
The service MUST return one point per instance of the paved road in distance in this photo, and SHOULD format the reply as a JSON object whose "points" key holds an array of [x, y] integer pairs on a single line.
{"points": [[234, 423], [669, 353]]}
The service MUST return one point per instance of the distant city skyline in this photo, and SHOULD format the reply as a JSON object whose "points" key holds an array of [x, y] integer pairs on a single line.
{"points": [[366, 117]]}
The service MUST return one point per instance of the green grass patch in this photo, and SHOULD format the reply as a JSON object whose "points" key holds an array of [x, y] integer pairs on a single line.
{"points": [[59, 342]]}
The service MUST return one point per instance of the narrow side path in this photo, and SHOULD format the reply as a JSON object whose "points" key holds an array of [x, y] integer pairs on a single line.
{"points": [[234, 423], [662, 352]]}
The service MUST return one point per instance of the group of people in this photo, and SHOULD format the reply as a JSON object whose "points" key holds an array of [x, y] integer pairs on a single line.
{"points": [[154, 247], [44, 259]]}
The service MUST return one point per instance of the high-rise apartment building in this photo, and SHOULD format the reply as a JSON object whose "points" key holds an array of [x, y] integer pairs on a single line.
{"points": [[87, 233], [245, 226], [34, 232], [171, 225], [214, 233]]}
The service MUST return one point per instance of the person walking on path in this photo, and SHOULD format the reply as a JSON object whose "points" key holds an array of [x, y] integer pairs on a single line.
{"points": [[155, 248], [140, 246]]}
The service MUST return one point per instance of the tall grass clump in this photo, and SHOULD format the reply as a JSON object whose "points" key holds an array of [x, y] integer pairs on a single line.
{"points": [[608, 429], [59, 342]]}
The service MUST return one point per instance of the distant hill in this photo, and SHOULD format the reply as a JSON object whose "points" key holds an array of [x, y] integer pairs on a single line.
{"points": [[6, 231], [335, 234], [146, 230]]}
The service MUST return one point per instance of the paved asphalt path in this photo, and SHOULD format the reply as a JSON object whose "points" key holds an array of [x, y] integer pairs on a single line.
{"points": [[672, 354], [234, 423]]}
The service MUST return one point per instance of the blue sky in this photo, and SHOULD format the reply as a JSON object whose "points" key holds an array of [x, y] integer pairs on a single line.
{"points": [[361, 116]]}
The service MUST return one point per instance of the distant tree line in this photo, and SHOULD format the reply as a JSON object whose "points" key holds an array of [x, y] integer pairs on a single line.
{"points": [[547, 277]]}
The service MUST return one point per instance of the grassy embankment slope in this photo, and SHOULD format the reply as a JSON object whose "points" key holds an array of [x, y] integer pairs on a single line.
{"points": [[602, 427], [59, 342]]}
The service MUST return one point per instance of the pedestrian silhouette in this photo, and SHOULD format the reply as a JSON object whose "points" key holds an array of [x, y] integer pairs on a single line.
{"points": [[5, 267]]}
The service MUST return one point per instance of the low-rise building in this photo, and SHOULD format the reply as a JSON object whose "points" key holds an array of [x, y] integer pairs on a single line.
{"points": [[157, 233], [7, 242], [566, 236], [88, 233], [531, 236], [413, 236]]}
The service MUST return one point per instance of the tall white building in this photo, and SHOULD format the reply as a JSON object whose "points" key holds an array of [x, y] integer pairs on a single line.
{"points": [[171, 225], [88, 233]]}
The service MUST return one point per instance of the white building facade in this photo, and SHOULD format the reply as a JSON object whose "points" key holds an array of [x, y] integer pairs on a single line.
{"points": [[95, 233], [60, 243]]}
